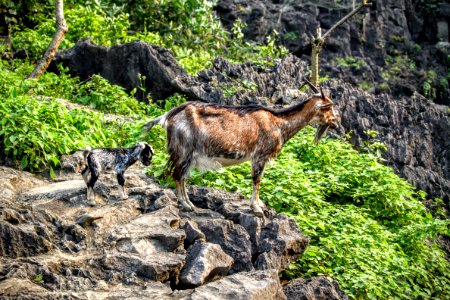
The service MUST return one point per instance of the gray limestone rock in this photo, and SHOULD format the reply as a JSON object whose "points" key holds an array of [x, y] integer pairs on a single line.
{"points": [[204, 261], [256, 285], [54, 246], [315, 288]]}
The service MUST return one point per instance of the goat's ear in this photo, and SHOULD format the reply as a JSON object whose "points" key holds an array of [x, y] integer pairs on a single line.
{"points": [[326, 105], [141, 145]]}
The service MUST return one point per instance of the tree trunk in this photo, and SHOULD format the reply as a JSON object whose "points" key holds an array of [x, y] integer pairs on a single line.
{"points": [[56, 41], [316, 47]]}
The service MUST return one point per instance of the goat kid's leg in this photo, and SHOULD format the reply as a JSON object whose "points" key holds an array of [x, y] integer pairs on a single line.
{"points": [[90, 185], [122, 191], [257, 171], [182, 196], [85, 173]]}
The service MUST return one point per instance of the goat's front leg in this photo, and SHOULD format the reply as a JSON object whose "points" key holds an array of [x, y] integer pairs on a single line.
{"points": [[257, 171], [182, 196], [122, 191]]}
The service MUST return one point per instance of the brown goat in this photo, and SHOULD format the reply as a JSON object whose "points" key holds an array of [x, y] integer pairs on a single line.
{"points": [[209, 136]]}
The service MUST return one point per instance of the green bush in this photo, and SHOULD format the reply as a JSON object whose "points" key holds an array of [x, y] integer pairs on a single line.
{"points": [[83, 21], [36, 130]]}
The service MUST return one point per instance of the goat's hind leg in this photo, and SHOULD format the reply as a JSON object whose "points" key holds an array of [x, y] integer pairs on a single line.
{"points": [[182, 196], [179, 175]]}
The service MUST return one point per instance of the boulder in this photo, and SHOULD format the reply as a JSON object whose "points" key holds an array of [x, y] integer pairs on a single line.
{"points": [[255, 285], [135, 64], [161, 266], [193, 234], [14, 181], [160, 228], [315, 288], [279, 244], [275, 239], [204, 261]]}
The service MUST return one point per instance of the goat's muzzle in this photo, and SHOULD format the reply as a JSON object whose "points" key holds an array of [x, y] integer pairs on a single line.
{"points": [[334, 124]]}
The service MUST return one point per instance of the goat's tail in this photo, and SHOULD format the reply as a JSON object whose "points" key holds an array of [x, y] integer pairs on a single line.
{"points": [[159, 120]]}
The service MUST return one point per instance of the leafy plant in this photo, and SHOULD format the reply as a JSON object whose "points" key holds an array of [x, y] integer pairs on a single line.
{"points": [[39, 278], [351, 62]]}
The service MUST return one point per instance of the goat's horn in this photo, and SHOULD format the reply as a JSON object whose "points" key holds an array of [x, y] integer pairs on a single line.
{"points": [[321, 92], [312, 86]]}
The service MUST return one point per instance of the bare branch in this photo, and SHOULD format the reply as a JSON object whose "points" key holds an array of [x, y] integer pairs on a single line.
{"points": [[56, 41], [363, 4]]}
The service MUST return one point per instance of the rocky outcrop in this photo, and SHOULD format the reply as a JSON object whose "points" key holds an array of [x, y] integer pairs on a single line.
{"points": [[54, 244], [223, 83], [133, 65], [315, 288], [204, 261]]}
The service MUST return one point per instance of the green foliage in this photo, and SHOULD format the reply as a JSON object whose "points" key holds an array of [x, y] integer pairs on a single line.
{"points": [[427, 89], [39, 278], [399, 38], [25, 12], [365, 85], [368, 228], [373, 145], [428, 8], [395, 66], [351, 62], [83, 21], [35, 131], [98, 93]]}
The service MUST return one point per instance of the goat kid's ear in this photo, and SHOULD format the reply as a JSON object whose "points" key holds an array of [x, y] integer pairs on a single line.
{"points": [[141, 145]]}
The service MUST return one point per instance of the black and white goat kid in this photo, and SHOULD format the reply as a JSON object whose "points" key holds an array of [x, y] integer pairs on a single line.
{"points": [[118, 159]]}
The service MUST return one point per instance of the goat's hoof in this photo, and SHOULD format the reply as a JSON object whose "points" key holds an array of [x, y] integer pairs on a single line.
{"points": [[186, 207], [257, 211], [191, 205], [91, 203]]}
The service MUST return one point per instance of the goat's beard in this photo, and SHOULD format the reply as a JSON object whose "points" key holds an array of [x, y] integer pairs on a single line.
{"points": [[321, 130]]}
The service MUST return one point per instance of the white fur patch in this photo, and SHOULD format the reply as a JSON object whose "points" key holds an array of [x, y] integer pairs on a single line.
{"points": [[202, 162]]}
